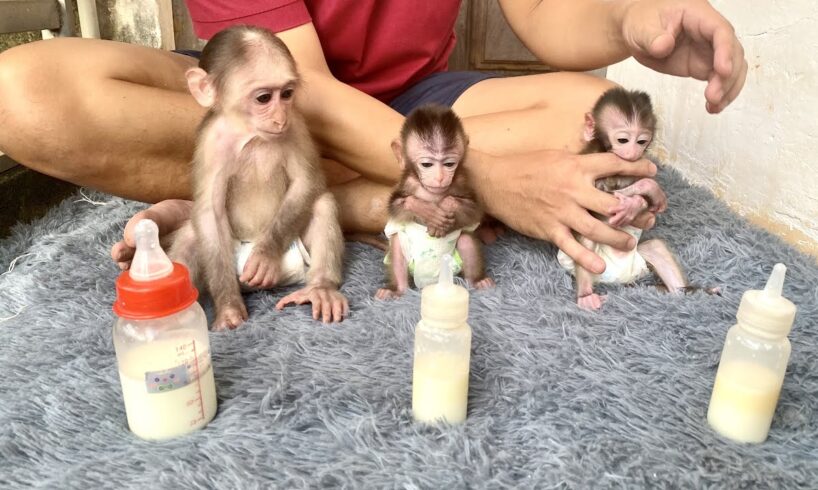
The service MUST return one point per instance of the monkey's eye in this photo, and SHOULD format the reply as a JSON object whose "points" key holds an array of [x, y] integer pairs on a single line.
{"points": [[449, 164], [287, 93], [426, 164], [642, 142], [622, 141], [264, 98]]}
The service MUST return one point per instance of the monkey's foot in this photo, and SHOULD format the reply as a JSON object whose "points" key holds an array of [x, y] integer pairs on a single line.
{"points": [[168, 215], [592, 301], [229, 317], [489, 231], [386, 293], [328, 303], [484, 283]]}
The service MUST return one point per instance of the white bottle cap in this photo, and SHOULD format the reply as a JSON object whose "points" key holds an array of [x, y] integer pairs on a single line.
{"points": [[765, 312], [445, 304], [149, 262]]}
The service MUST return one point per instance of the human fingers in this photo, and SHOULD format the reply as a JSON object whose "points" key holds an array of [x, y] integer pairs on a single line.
{"points": [[734, 91], [599, 232], [566, 242]]}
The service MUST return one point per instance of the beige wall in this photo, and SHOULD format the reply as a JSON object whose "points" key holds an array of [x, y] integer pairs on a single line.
{"points": [[760, 154]]}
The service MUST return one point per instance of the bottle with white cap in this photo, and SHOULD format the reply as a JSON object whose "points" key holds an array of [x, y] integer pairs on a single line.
{"points": [[753, 363], [161, 343], [440, 381]]}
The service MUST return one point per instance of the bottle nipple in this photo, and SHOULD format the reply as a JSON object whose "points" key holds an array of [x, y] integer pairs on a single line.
{"points": [[775, 284], [767, 312], [444, 304], [149, 262], [445, 279]]}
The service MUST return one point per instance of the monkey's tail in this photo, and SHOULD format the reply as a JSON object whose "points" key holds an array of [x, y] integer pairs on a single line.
{"points": [[368, 239]]}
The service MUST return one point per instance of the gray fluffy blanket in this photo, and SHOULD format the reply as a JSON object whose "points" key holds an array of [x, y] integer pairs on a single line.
{"points": [[558, 397]]}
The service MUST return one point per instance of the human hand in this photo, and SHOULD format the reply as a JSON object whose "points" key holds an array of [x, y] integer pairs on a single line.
{"points": [[687, 38], [549, 194]]}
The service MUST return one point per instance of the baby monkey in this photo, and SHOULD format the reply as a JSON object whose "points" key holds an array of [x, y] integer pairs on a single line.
{"points": [[258, 188], [623, 122], [433, 210]]}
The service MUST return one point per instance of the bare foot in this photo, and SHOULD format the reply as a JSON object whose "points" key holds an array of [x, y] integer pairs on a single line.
{"points": [[386, 293], [230, 317], [490, 230], [592, 301], [327, 302], [169, 215], [484, 283]]}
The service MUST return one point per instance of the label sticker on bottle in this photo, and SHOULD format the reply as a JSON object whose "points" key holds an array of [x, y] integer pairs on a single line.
{"points": [[178, 376], [167, 380]]}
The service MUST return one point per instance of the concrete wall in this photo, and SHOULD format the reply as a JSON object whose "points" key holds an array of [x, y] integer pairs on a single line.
{"points": [[760, 154]]}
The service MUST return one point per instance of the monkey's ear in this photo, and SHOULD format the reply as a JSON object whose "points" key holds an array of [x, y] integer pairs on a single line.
{"points": [[397, 149], [200, 87], [588, 132]]}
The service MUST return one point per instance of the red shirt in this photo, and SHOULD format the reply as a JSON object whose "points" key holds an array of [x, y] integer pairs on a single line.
{"points": [[380, 47]]}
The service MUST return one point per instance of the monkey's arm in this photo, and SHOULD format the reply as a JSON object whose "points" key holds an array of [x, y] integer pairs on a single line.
{"points": [[216, 250], [465, 209], [305, 185], [405, 207]]}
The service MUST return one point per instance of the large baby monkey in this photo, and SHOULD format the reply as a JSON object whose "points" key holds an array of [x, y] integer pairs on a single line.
{"points": [[257, 183], [623, 122], [433, 210]]}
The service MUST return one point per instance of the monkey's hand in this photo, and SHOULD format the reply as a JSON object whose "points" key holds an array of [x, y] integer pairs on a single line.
{"points": [[263, 267], [439, 221], [649, 188], [627, 210], [328, 304]]}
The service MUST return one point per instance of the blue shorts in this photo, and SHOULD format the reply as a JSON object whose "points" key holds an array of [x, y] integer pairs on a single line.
{"points": [[442, 88]]}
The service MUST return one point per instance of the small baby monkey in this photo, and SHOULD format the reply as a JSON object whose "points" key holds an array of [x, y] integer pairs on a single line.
{"points": [[623, 122], [257, 182], [433, 210]]}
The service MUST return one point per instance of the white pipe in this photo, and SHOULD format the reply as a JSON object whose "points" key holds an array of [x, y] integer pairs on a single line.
{"points": [[89, 22]]}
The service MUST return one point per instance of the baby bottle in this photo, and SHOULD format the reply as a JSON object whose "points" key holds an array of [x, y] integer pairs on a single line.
{"points": [[161, 343], [440, 385], [753, 363]]}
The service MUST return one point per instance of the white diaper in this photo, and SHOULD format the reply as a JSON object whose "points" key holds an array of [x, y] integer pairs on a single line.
{"points": [[294, 262], [423, 252], [620, 267]]}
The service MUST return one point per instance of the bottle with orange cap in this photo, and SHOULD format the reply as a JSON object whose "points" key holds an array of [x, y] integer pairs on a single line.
{"points": [[161, 343]]}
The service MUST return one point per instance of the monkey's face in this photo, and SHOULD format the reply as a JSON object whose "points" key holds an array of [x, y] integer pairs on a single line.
{"points": [[262, 94], [627, 138], [434, 161]]}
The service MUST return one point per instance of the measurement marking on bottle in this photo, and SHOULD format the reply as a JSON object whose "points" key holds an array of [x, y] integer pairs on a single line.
{"points": [[198, 387]]}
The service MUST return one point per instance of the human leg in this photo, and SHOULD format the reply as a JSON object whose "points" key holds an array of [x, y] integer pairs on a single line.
{"points": [[109, 115]]}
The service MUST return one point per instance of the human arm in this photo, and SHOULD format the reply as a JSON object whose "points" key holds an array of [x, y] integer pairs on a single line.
{"points": [[542, 194], [686, 38]]}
